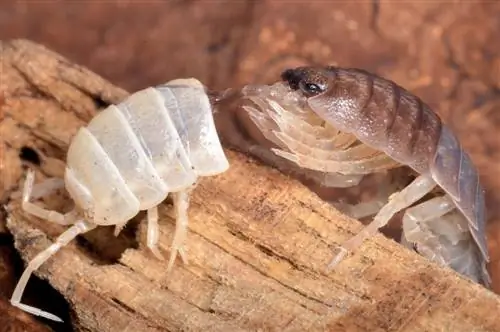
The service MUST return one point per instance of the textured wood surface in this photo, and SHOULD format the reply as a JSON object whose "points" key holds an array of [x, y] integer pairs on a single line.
{"points": [[445, 52], [258, 240]]}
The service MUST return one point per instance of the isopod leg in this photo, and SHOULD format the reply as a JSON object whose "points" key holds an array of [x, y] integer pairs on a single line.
{"points": [[415, 219], [337, 180], [181, 204], [360, 210], [416, 228], [369, 165], [441, 234], [78, 228], [119, 228], [153, 232], [45, 188], [33, 209], [422, 185]]}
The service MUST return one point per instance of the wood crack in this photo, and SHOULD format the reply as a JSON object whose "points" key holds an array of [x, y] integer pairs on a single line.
{"points": [[238, 282]]}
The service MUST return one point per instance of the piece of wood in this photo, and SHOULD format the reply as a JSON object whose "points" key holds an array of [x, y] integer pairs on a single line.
{"points": [[258, 241]]}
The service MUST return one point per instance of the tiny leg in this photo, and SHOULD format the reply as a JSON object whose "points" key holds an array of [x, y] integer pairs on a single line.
{"points": [[375, 163], [389, 185], [153, 232], [45, 188], [28, 207], [416, 218], [360, 210], [79, 227], [181, 204], [413, 192], [337, 180], [441, 234]]}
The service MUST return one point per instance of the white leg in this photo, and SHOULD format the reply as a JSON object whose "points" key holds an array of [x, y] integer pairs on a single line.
{"points": [[45, 188], [28, 207], [375, 163], [360, 210], [415, 220], [390, 184], [440, 232], [153, 232], [424, 224], [299, 148], [181, 204], [336, 180], [422, 185], [78, 228], [118, 228]]}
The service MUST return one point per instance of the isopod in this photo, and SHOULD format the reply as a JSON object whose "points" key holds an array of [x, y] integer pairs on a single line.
{"points": [[128, 159], [348, 123]]}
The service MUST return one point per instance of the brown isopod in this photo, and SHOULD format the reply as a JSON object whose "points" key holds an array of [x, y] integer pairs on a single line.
{"points": [[348, 123]]}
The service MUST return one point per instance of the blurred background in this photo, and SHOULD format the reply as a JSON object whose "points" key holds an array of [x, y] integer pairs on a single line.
{"points": [[448, 53]]}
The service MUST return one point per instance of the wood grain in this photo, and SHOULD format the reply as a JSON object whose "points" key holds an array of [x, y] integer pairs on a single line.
{"points": [[258, 241]]}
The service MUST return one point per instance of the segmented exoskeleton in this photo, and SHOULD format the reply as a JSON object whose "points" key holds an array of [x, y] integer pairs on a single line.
{"points": [[128, 159], [348, 123]]}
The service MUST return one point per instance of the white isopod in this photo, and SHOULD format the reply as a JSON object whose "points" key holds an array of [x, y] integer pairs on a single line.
{"points": [[128, 159]]}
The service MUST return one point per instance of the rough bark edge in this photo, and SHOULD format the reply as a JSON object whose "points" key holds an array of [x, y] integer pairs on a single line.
{"points": [[254, 258]]}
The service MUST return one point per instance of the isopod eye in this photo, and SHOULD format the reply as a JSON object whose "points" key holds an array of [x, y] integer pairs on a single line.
{"points": [[311, 89]]}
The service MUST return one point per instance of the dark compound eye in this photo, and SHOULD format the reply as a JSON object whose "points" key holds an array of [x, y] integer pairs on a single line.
{"points": [[311, 88]]}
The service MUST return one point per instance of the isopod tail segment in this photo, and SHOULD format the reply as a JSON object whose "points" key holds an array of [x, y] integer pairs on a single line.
{"points": [[128, 158], [384, 116], [348, 123]]}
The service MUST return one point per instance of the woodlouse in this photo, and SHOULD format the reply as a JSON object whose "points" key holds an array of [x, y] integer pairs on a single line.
{"points": [[128, 159], [348, 123]]}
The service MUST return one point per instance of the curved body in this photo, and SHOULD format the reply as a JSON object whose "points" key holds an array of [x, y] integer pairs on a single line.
{"points": [[130, 156], [385, 116], [366, 124]]}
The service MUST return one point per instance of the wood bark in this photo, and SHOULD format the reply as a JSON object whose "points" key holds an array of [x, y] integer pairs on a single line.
{"points": [[258, 241]]}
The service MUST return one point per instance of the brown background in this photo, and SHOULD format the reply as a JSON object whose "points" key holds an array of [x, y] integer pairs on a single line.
{"points": [[446, 52]]}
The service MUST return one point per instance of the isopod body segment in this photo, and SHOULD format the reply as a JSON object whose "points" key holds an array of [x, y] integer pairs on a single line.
{"points": [[347, 123], [129, 158]]}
